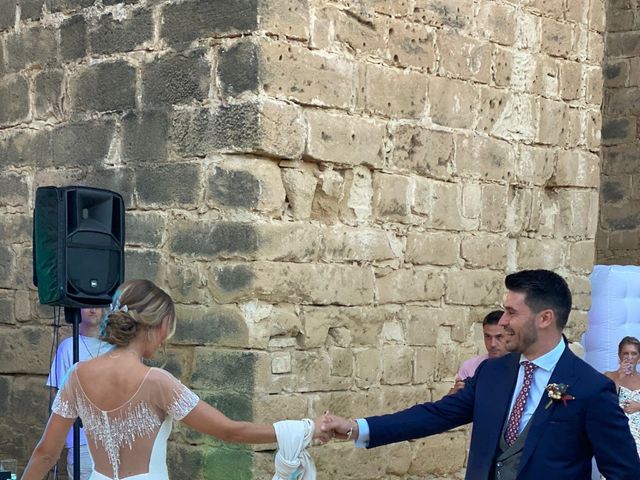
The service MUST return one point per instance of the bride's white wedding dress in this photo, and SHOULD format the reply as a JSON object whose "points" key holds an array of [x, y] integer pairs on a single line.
{"points": [[130, 441]]}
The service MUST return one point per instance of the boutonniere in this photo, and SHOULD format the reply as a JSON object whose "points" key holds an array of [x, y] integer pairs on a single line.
{"points": [[558, 392]]}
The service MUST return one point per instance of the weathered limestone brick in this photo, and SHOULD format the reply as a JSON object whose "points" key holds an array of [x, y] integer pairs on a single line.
{"points": [[474, 287], [484, 158], [284, 17], [396, 365], [410, 285], [295, 73], [317, 284], [484, 252], [576, 169], [458, 14], [411, 45], [499, 23], [464, 58], [439, 455], [392, 196], [452, 103], [427, 152], [343, 139], [391, 92], [432, 248]]}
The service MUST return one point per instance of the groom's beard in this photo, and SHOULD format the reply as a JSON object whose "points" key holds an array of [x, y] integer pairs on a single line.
{"points": [[521, 341]]}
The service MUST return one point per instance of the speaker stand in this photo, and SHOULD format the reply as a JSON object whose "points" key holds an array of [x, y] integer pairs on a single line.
{"points": [[72, 316]]}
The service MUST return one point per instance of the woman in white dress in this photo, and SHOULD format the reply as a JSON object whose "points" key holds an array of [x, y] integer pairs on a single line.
{"points": [[627, 380], [127, 408]]}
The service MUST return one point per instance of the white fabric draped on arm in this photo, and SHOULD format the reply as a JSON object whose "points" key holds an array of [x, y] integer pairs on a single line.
{"points": [[293, 462]]}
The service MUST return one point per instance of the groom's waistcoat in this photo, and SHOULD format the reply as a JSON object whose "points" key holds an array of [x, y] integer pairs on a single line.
{"points": [[508, 457]]}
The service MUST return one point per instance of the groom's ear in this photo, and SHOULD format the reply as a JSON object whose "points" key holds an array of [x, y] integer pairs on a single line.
{"points": [[547, 319]]}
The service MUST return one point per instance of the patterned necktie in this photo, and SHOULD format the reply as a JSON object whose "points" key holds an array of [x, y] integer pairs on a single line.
{"points": [[511, 432]]}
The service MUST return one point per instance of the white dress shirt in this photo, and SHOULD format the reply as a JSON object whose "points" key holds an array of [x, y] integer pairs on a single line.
{"points": [[541, 375]]}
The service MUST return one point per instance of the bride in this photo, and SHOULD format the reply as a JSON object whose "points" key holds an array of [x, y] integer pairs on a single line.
{"points": [[127, 414]]}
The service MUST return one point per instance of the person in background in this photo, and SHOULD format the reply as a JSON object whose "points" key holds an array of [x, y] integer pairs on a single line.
{"points": [[90, 346], [494, 343], [627, 380]]}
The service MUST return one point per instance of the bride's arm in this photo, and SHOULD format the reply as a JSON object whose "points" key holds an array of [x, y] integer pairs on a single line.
{"points": [[48, 450], [206, 419]]}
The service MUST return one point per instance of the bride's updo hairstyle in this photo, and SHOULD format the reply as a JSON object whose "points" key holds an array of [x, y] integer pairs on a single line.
{"points": [[137, 305]]}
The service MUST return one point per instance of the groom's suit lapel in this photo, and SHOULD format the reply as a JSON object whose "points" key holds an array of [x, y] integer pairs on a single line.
{"points": [[501, 391], [563, 373]]}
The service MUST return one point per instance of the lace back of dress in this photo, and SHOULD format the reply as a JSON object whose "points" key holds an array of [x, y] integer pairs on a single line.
{"points": [[122, 440]]}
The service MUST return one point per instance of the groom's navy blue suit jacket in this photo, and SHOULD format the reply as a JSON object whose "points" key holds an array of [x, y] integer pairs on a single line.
{"points": [[561, 440]]}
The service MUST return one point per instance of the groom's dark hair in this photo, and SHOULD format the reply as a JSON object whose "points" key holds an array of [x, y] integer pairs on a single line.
{"points": [[542, 289]]}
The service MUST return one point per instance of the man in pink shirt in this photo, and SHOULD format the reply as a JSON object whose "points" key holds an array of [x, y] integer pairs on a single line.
{"points": [[493, 342]]}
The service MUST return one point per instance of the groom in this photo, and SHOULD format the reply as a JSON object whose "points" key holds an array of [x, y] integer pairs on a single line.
{"points": [[519, 431]]}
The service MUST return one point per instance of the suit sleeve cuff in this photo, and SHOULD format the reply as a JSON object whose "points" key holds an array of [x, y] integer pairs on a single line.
{"points": [[363, 433]]}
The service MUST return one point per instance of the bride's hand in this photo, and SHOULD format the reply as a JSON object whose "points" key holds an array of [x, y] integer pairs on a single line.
{"points": [[318, 433], [631, 407]]}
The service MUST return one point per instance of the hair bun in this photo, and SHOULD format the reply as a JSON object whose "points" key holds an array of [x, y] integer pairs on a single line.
{"points": [[118, 328]]}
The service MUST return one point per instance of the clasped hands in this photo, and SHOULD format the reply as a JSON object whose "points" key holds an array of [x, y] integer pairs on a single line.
{"points": [[329, 426]]}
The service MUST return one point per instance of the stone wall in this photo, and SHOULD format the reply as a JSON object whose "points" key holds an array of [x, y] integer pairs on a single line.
{"points": [[332, 191], [618, 239]]}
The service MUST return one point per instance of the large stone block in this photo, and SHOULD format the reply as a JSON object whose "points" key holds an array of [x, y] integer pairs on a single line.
{"points": [[7, 15], [108, 86], [284, 17], [31, 46], [14, 191], [486, 251], [441, 203], [143, 263], [176, 78], [73, 38], [362, 35], [156, 184], [576, 169], [453, 103], [145, 228], [48, 94], [190, 20], [557, 38], [346, 326], [80, 143], [623, 44], [540, 253], [211, 239], [16, 344], [552, 127], [112, 35], [535, 165], [362, 244], [410, 285], [300, 186], [474, 287], [578, 213], [457, 14], [391, 196], [345, 139], [144, 136], [393, 93], [291, 282], [440, 455], [412, 45], [582, 256], [397, 365], [304, 76], [426, 152], [14, 100], [251, 127], [570, 80], [219, 325], [464, 57], [237, 68], [494, 207], [219, 370], [246, 183], [484, 158], [432, 248], [498, 23]]}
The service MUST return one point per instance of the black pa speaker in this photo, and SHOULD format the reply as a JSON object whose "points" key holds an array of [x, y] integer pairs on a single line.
{"points": [[78, 245]]}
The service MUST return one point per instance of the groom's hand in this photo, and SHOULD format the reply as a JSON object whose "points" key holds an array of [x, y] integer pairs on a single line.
{"points": [[339, 427]]}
